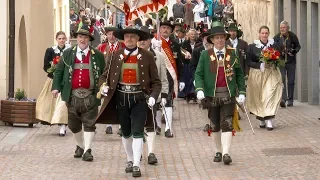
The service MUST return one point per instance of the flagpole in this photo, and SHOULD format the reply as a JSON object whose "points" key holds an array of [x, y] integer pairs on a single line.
{"points": [[158, 28]]}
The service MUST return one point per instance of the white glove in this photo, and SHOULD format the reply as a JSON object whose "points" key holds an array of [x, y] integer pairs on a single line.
{"points": [[262, 67], [55, 93], [151, 101], [156, 43], [200, 95], [104, 90], [241, 98], [163, 102], [181, 86]]}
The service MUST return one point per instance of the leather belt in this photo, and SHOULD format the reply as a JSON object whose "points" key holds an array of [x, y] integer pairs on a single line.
{"points": [[81, 92], [129, 88]]}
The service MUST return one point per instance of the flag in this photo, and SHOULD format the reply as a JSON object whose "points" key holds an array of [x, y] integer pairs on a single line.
{"points": [[135, 8]]}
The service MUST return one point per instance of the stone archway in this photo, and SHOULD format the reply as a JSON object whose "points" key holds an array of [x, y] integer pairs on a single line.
{"points": [[23, 55]]}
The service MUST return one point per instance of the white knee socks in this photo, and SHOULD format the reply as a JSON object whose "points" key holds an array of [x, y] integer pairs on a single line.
{"points": [[226, 138], [137, 147], [217, 140], [127, 144], [168, 117], [150, 141], [79, 138], [158, 118], [88, 138]]}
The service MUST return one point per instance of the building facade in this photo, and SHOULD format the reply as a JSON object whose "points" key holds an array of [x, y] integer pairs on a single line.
{"points": [[35, 25], [303, 16]]}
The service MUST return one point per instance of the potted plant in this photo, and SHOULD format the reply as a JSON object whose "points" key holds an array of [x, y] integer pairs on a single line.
{"points": [[19, 109]]}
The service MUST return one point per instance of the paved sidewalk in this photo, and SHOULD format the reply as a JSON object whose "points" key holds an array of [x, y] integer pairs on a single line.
{"points": [[290, 151]]}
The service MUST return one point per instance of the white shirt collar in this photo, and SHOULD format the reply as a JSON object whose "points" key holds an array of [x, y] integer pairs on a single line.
{"points": [[79, 55], [216, 50], [167, 39], [234, 42], [85, 51], [135, 52], [114, 44]]}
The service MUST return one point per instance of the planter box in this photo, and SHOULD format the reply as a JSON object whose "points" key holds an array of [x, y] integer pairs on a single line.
{"points": [[18, 112]]}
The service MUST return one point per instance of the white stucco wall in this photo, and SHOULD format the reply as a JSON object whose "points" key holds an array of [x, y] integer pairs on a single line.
{"points": [[4, 46]]}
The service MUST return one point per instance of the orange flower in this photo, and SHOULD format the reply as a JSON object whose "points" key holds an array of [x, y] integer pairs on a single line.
{"points": [[266, 55]]}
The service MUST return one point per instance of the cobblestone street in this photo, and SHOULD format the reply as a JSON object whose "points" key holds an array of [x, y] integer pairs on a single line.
{"points": [[290, 151]]}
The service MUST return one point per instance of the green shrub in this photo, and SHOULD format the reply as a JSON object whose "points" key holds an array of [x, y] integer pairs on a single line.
{"points": [[20, 94]]}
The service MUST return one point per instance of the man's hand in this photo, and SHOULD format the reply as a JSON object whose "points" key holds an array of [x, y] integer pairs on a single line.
{"points": [[241, 98], [262, 67], [104, 90], [200, 95], [156, 43], [55, 93], [151, 101], [181, 86]]}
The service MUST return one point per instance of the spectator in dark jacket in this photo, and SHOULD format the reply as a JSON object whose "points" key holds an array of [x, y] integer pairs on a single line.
{"points": [[290, 46], [178, 10]]}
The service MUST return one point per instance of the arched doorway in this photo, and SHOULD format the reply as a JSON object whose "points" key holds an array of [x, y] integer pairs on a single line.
{"points": [[23, 56]]}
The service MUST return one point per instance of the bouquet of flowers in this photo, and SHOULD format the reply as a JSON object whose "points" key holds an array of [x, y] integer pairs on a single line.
{"points": [[53, 63], [270, 56]]}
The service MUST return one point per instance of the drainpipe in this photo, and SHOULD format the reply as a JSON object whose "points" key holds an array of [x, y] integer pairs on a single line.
{"points": [[12, 28]]}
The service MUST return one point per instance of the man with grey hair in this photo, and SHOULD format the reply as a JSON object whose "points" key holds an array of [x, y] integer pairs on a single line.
{"points": [[289, 47]]}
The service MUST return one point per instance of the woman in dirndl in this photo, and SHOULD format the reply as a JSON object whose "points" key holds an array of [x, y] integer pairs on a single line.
{"points": [[50, 110], [264, 86]]}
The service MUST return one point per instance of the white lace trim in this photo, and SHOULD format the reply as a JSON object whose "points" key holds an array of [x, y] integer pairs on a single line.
{"points": [[260, 45], [57, 51]]}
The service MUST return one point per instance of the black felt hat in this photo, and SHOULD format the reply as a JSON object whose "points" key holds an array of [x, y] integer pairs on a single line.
{"points": [[218, 30], [84, 30], [167, 23], [119, 33], [110, 28], [147, 30]]}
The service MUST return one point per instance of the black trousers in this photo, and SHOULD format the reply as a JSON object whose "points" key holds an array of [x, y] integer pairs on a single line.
{"points": [[220, 112], [288, 72], [132, 111], [82, 112]]}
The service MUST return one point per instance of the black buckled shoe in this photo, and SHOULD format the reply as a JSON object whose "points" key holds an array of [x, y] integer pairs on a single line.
{"points": [[109, 130], [129, 167], [136, 172], [119, 132], [283, 104], [206, 128], [158, 130], [87, 156], [168, 134], [227, 159], [218, 157], [78, 152], [152, 159]]}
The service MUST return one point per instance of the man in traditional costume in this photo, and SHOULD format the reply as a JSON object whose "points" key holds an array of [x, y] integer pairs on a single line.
{"points": [[130, 83], [239, 44], [108, 48], [76, 77], [218, 78], [175, 71], [160, 59]]}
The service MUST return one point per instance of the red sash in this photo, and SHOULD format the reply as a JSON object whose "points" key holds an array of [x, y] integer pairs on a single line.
{"points": [[167, 50]]}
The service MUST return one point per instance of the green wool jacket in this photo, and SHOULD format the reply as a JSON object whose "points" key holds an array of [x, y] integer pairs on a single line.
{"points": [[63, 74], [207, 69]]}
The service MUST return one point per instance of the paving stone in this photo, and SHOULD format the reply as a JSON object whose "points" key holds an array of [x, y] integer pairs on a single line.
{"points": [[42, 154]]}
